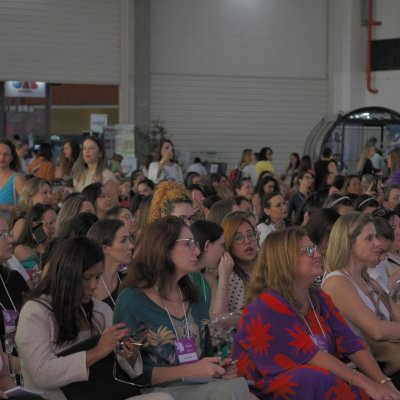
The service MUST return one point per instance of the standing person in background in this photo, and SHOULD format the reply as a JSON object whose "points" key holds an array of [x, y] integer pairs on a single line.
{"points": [[166, 167], [286, 178], [247, 165], [304, 186], [323, 166], [11, 182], [69, 154], [22, 151], [393, 162], [91, 166], [264, 162], [43, 166], [197, 166]]}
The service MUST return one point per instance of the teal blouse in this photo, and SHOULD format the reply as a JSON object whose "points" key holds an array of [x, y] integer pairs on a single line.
{"points": [[134, 307]]}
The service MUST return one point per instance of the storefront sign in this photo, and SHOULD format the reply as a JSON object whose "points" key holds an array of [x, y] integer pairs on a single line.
{"points": [[25, 89]]}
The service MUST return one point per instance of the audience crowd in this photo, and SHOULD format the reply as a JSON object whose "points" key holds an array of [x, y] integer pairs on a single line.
{"points": [[111, 285]]}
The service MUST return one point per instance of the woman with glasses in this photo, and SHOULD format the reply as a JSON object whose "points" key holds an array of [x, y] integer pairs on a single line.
{"points": [[62, 313], [171, 198], [159, 292], [274, 214], [114, 239], [291, 335], [265, 184], [241, 242], [353, 248]]}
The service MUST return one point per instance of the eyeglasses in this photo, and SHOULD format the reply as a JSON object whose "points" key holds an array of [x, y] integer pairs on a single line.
{"points": [[128, 217], [187, 220], [190, 243], [310, 250], [6, 235], [240, 237], [280, 205], [383, 212]]}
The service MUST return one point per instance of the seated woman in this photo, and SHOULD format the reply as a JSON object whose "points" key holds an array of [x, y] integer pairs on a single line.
{"points": [[61, 313], [213, 260], [113, 237], [291, 333], [35, 191], [274, 212], [125, 215], [158, 291], [171, 198], [97, 194], [353, 248], [241, 242], [38, 230]]}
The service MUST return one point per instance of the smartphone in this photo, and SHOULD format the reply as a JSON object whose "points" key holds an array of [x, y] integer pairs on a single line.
{"points": [[39, 234], [137, 336]]}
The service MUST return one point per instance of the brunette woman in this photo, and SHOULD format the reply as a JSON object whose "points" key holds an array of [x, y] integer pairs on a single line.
{"points": [[113, 237], [158, 291], [91, 165], [69, 154], [11, 181]]}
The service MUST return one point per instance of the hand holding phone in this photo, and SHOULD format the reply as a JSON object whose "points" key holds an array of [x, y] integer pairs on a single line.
{"points": [[39, 234]]}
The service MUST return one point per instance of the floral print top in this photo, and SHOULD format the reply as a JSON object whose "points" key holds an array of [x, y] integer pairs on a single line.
{"points": [[134, 307]]}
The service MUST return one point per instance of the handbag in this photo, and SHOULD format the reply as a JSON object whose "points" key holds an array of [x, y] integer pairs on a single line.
{"points": [[101, 384]]}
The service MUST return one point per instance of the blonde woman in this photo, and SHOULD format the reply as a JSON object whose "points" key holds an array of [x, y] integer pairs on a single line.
{"points": [[35, 191], [353, 248], [247, 165], [91, 165], [291, 335]]}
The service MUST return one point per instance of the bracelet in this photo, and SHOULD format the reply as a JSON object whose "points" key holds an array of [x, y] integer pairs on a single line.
{"points": [[384, 380], [352, 376]]}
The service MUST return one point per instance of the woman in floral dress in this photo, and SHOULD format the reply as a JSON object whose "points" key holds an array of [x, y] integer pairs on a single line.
{"points": [[291, 337]]}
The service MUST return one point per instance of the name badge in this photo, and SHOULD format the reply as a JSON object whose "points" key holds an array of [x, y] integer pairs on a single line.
{"points": [[10, 319], [320, 342], [186, 350]]}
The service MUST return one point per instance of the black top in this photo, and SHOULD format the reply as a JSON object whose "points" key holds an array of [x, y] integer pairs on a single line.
{"points": [[16, 286], [320, 170]]}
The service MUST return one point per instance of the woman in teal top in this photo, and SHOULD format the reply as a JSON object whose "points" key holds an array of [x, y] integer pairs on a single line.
{"points": [[215, 265], [159, 292], [11, 182]]}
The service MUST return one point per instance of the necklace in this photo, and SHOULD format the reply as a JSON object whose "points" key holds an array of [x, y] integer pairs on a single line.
{"points": [[177, 307]]}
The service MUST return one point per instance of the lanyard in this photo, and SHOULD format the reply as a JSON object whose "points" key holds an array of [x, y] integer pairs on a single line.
{"points": [[105, 286], [316, 317], [8, 294], [184, 311]]}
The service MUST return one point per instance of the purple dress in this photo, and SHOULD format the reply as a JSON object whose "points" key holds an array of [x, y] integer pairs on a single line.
{"points": [[273, 346]]}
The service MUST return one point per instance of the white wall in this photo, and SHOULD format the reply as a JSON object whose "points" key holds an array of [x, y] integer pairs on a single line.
{"points": [[274, 38], [70, 41], [232, 74], [347, 56]]}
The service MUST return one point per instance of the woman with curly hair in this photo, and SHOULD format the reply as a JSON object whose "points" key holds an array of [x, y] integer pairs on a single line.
{"points": [[170, 198]]}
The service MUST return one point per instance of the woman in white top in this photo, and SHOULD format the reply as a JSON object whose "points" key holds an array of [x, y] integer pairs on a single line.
{"points": [[165, 168], [353, 247], [275, 210], [91, 166]]}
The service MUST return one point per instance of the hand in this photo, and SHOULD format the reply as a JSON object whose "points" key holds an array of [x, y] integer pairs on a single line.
{"points": [[387, 391], [225, 265], [230, 369], [96, 178], [207, 367], [370, 191], [110, 338], [129, 349]]}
